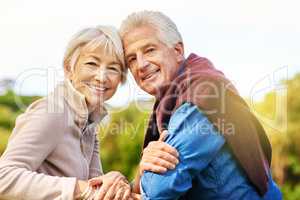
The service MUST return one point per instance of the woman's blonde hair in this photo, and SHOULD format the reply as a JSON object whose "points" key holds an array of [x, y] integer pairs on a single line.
{"points": [[106, 37]]}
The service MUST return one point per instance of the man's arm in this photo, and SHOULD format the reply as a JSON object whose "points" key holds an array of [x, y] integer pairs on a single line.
{"points": [[197, 142]]}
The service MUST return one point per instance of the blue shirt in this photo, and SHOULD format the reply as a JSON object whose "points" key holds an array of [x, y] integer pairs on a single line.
{"points": [[206, 170]]}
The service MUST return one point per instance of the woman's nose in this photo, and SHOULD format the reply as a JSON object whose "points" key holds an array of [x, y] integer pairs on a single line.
{"points": [[101, 75]]}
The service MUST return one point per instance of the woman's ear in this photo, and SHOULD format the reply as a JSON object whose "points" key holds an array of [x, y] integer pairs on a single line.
{"points": [[179, 51], [67, 70]]}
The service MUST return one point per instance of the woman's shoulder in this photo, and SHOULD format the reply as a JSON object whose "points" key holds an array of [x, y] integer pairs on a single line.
{"points": [[43, 110]]}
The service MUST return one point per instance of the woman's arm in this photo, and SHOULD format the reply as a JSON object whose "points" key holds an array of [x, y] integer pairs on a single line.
{"points": [[95, 164], [34, 137]]}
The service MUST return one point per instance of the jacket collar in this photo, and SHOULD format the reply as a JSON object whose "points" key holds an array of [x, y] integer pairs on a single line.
{"points": [[78, 106]]}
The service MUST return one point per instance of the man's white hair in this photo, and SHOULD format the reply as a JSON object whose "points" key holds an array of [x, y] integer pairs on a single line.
{"points": [[89, 39], [165, 27]]}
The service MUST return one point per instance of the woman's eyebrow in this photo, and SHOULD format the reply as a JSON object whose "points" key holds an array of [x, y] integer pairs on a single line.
{"points": [[93, 57]]}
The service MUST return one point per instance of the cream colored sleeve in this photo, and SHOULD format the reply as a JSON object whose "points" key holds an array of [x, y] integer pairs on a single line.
{"points": [[34, 137], [95, 164]]}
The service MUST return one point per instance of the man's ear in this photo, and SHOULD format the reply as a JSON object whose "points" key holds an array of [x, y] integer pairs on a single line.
{"points": [[179, 51]]}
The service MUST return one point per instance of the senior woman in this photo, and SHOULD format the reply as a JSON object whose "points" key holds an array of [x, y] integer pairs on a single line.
{"points": [[53, 149]]}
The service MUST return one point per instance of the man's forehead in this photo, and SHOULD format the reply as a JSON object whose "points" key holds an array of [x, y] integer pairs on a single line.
{"points": [[139, 37], [138, 44]]}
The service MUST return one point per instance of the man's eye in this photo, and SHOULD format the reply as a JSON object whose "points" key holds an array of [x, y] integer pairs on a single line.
{"points": [[130, 60], [150, 50]]}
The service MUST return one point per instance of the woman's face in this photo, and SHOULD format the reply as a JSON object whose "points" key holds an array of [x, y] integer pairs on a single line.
{"points": [[96, 75]]}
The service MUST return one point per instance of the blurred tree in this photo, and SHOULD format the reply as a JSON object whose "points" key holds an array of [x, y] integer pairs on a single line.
{"points": [[286, 145], [6, 84], [121, 140]]}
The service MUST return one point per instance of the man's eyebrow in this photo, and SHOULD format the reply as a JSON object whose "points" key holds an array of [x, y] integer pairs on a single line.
{"points": [[148, 45], [142, 48], [129, 55]]}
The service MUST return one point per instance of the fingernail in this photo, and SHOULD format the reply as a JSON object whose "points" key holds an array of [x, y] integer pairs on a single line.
{"points": [[177, 161]]}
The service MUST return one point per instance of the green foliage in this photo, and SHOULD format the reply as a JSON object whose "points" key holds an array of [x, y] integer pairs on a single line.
{"points": [[285, 143], [15, 102], [294, 164], [290, 192], [11, 106], [9, 119], [121, 141], [4, 135]]}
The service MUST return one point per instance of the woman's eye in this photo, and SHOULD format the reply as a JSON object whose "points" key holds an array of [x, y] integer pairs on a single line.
{"points": [[91, 63], [114, 68]]}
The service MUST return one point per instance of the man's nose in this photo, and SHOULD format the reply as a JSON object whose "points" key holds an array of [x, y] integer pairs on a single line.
{"points": [[142, 62]]}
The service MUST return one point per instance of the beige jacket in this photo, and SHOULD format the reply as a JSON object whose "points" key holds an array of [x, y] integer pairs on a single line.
{"points": [[51, 146]]}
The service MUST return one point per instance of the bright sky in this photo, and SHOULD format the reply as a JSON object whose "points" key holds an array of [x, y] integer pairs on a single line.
{"points": [[255, 43]]}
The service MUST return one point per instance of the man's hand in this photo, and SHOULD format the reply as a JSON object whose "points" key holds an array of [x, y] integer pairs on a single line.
{"points": [[159, 156], [135, 196], [113, 185]]}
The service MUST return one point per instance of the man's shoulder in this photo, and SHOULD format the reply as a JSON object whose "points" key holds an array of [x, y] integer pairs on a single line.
{"points": [[186, 116], [189, 125]]}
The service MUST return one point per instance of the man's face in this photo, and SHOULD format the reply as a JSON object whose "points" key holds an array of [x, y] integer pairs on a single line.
{"points": [[151, 61]]}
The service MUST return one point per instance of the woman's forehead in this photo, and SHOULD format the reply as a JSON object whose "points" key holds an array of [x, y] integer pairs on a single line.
{"points": [[99, 54]]}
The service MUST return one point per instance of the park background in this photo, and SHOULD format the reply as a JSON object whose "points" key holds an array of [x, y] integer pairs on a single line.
{"points": [[255, 43]]}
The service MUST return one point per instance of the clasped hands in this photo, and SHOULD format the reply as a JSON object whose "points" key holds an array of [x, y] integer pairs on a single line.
{"points": [[157, 157]]}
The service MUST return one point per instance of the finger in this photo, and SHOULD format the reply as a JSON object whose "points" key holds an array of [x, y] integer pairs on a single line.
{"points": [[127, 193], [152, 168], [167, 148], [162, 155], [102, 191], [135, 196], [163, 135], [113, 189], [159, 162], [120, 194], [161, 146], [123, 191], [95, 181], [158, 145]]}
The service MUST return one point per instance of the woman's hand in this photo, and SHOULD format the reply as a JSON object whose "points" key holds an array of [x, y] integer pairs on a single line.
{"points": [[113, 185], [159, 156]]}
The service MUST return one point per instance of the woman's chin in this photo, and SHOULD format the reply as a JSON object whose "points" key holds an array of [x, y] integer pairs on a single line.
{"points": [[93, 104]]}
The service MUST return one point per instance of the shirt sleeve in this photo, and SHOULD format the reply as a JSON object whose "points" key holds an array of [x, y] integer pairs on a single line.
{"points": [[33, 139], [197, 142], [95, 164]]}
